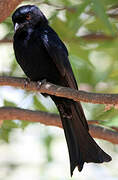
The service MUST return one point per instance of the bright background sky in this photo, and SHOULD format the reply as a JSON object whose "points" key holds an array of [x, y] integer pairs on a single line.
{"points": [[24, 157]]}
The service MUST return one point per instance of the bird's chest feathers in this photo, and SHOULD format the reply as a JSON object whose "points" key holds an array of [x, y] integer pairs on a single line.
{"points": [[27, 43], [27, 38], [30, 49]]}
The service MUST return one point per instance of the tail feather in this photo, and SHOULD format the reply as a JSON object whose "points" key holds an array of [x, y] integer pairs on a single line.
{"points": [[81, 146]]}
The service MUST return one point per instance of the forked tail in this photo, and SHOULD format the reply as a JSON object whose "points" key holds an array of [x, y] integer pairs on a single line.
{"points": [[81, 146]]}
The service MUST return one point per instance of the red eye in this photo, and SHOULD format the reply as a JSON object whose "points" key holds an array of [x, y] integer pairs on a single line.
{"points": [[28, 16]]}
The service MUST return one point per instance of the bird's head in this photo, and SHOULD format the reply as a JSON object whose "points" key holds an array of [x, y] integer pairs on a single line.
{"points": [[29, 14]]}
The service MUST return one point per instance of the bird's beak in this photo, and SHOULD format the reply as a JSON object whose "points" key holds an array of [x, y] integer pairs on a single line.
{"points": [[16, 26]]}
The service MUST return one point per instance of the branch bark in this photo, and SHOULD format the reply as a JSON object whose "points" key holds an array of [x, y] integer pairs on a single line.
{"points": [[88, 37], [7, 113], [6, 40], [6, 7], [51, 89], [98, 37], [49, 119]]}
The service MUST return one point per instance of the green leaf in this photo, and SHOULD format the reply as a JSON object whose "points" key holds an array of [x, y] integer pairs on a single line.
{"points": [[61, 28], [4, 134], [38, 105], [74, 22], [6, 128], [9, 103], [24, 124], [47, 140], [99, 9], [66, 2]]}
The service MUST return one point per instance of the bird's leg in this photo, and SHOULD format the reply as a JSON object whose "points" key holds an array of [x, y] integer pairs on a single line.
{"points": [[26, 82], [39, 83]]}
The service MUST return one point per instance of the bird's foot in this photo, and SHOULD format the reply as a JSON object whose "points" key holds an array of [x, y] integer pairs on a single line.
{"points": [[39, 83], [26, 82]]}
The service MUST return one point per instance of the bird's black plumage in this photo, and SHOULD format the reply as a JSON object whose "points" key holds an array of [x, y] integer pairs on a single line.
{"points": [[42, 55]]}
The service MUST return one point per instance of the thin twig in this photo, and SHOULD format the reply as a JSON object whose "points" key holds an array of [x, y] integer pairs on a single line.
{"points": [[6, 40], [98, 37], [88, 37]]}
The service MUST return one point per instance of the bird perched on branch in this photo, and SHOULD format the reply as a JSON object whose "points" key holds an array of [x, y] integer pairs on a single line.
{"points": [[42, 55]]}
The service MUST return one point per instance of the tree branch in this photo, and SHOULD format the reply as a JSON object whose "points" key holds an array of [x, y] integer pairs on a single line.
{"points": [[6, 40], [88, 37], [51, 89], [97, 37], [49, 119], [6, 7], [7, 113]]}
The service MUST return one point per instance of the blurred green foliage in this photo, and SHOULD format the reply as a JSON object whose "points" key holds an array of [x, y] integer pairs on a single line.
{"points": [[89, 30]]}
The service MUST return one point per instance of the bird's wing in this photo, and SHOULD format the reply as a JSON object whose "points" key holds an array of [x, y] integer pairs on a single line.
{"points": [[59, 54]]}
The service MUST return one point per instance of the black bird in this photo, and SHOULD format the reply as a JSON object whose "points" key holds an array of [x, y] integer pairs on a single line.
{"points": [[42, 55]]}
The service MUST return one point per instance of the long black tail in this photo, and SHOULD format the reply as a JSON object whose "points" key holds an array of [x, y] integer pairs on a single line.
{"points": [[81, 146]]}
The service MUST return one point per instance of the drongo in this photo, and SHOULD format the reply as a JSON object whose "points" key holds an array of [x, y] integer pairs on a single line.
{"points": [[42, 55]]}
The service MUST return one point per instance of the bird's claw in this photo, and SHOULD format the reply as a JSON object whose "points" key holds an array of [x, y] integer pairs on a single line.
{"points": [[26, 82], [39, 83]]}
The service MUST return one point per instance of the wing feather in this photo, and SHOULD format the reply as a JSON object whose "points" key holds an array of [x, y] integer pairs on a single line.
{"points": [[59, 54]]}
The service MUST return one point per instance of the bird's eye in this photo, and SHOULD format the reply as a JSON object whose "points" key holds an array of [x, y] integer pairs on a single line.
{"points": [[28, 16]]}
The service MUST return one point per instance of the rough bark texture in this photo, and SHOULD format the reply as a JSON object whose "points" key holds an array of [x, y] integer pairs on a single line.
{"points": [[52, 89], [49, 119], [6, 8]]}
